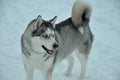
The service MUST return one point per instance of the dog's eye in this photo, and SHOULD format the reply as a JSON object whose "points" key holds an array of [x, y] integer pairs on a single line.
{"points": [[45, 36]]}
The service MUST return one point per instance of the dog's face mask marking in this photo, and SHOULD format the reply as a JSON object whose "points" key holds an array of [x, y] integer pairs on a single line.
{"points": [[44, 35]]}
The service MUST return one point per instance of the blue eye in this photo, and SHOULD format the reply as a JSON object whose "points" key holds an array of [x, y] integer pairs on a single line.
{"points": [[45, 36]]}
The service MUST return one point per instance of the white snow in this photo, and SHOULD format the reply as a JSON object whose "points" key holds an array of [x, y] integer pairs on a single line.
{"points": [[104, 59]]}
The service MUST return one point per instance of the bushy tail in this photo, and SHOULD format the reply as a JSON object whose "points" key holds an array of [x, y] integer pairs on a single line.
{"points": [[81, 12]]}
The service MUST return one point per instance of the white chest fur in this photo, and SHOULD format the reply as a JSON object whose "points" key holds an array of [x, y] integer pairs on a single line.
{"points": [[36, 61]]}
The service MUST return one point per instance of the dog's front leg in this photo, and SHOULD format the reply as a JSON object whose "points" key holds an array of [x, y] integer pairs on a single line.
{"points": [[49, 74], [29, 74]]}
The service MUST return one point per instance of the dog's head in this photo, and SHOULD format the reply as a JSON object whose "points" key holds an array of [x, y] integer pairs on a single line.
{"points": [[44, 31]]}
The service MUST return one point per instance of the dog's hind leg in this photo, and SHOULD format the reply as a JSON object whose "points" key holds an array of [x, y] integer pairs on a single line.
{"points": [[70, 60], [83, 61], [83, 53]]}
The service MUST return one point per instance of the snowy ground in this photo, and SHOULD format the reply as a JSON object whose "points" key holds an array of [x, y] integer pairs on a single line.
{"points": [[104, 60]]}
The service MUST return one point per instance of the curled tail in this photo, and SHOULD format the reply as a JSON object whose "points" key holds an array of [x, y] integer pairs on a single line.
{"points": [[81, 12]]}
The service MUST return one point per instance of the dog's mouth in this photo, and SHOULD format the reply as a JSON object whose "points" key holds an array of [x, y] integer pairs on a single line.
{"points": [[50, 52]]}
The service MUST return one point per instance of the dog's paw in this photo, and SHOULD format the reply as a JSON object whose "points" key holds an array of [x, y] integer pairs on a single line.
{"points": [[67, 74], [83, 78]]}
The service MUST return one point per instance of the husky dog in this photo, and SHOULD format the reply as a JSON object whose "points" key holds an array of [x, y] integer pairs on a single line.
{"points": [[44, 44]]}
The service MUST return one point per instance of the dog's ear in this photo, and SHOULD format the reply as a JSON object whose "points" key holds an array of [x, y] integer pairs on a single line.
{"points": [[38, 22], [53, 21]]}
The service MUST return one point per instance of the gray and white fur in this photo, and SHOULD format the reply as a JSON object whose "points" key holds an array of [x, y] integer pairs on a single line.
{"points": [[73, 34]]}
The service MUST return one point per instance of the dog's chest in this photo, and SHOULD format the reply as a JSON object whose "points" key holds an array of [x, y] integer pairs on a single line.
{"points": [[37, 61]]}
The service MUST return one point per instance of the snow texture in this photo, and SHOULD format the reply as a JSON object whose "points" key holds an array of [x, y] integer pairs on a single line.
{"points": [[104, 59]]}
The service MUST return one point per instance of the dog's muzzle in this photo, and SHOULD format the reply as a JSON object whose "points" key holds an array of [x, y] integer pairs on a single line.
{"points": [[50, 52]]}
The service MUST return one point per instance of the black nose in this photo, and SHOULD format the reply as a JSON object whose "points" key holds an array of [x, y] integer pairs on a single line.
{"points": [[55, 45]]}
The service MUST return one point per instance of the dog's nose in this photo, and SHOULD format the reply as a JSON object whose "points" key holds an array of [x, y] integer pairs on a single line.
{"points": [[55, 45]]}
